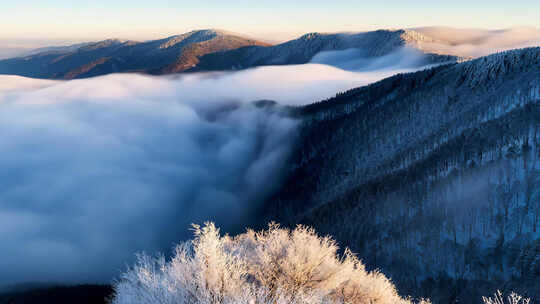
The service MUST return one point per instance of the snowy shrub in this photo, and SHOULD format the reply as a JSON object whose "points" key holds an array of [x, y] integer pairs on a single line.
{"points": [[277, 266], [513, 298]]}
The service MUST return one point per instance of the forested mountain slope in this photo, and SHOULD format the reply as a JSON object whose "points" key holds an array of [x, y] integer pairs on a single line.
{"points": [[169, 55], [302, 50], [205, 50], [432, 176]]}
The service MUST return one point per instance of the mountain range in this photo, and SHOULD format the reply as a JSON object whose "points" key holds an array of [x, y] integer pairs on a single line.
{"points": [[204, 50], [431, 176]]}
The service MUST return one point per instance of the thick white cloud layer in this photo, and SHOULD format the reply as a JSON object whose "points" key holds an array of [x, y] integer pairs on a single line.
{"points": [[402, 60], [476, 42], [291, 85], [95, 170]]}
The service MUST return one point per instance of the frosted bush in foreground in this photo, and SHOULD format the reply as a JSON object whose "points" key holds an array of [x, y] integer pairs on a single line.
{"points": [[513, 298], [277, 266]]}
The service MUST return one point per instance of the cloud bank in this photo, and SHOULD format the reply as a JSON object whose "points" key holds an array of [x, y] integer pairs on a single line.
{"points": [[95, 170], [290, 85], [403, 59], [477, 42]]}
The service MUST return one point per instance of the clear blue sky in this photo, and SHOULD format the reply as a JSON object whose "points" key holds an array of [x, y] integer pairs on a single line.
{"points": [[145, 19]]}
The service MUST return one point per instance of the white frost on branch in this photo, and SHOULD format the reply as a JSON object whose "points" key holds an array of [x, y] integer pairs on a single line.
{"points": [[513, 298], [272, 266]]}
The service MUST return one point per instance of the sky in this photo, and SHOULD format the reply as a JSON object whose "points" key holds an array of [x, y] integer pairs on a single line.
{"points": [[35, 21]]}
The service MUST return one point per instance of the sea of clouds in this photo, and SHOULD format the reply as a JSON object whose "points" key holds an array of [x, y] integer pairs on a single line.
{"points": [[94, 170], [97, 169]]}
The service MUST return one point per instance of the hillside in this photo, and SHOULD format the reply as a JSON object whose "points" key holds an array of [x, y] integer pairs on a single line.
{"points": [[172, 54], [431, 176], [204, 50], [302, 50]]}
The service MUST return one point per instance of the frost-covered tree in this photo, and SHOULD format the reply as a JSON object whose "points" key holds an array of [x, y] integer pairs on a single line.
{"points": [[513, 298], [272, 266]]}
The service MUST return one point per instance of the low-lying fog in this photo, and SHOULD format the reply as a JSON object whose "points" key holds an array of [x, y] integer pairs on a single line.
{"points": [[478, 42], [95, 170]]}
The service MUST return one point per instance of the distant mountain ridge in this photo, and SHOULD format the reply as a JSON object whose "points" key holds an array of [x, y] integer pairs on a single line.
{"points": [[203, 50], [172, 54], [302, 50]]}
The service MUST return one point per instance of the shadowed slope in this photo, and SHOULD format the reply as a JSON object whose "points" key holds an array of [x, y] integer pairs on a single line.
{"points": [[173, 54], [432, 176]]}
